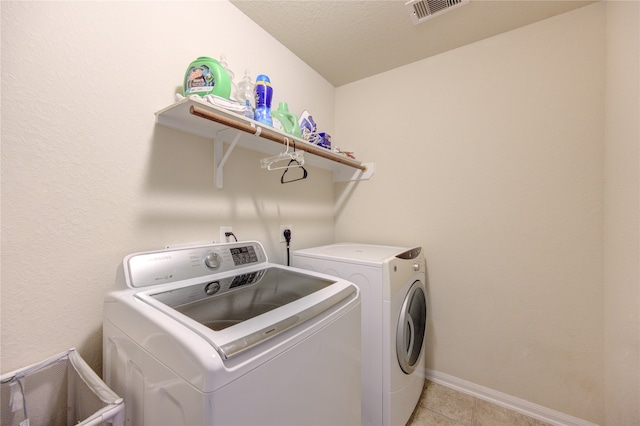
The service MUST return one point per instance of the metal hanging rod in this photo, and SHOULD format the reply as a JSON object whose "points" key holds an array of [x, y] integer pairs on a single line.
{"points": [[275, 137]]}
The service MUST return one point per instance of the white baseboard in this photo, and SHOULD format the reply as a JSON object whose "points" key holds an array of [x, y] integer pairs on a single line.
{"points": [[507, 401]]}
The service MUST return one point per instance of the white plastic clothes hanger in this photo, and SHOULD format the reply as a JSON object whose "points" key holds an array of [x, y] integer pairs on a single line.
{"points": [[271, 163]]}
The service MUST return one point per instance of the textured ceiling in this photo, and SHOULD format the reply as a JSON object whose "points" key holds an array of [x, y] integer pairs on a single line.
{"points": [[345, 41]]}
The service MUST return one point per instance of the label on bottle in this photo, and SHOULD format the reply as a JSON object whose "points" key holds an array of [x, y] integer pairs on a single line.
{"points": [[277, 124], [264, 92], [200, 80]]}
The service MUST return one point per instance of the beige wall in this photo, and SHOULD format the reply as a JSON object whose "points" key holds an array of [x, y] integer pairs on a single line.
{"points": [[491, 158], [622, 189], [87, 177], [512, 161]]}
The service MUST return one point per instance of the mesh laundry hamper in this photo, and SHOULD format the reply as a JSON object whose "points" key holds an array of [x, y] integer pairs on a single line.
{"points": [[62, 390]]}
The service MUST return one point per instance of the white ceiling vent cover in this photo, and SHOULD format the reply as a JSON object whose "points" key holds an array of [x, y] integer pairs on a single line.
{"points": [[423, 10]]}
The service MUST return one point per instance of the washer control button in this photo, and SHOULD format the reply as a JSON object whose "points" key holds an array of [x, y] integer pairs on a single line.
{"points": [[212, 288], [212, 260]]}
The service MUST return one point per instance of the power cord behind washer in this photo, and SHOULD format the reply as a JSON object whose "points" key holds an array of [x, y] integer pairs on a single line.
{"points": [[287, 238]]}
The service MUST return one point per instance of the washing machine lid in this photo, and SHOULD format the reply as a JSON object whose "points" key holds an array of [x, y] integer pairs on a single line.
{"points": [[365, 254], [238, 312]]}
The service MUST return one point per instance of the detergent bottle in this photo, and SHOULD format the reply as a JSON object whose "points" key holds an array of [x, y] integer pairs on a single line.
{"points": [[205, 76], [263, 93], [289, 121], [248, 110]]}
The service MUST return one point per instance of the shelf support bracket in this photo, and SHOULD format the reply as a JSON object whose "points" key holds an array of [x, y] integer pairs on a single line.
{"points": [[220, 159]]}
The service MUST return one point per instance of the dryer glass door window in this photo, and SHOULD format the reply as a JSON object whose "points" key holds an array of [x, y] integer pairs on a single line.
{"points": [[412, 327]]}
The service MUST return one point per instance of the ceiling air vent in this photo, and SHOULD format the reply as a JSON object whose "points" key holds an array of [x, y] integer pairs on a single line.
{"points": [[423, 10]]}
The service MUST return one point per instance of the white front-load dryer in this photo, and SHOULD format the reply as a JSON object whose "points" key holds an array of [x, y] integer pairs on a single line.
{"points": [[394, 319]]}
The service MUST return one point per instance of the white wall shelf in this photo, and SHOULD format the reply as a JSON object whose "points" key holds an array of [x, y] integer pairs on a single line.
{"points": [[196, 116]]}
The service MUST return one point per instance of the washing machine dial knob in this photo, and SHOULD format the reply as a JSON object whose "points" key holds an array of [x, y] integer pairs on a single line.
{"points": [[212, 260], [416, 267], [212, 288]]}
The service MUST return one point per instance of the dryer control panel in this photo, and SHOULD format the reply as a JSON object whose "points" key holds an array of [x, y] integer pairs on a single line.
{"points": [[172, 265], [410, 254]]}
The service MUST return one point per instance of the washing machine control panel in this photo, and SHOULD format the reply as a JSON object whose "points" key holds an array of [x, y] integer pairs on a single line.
{"points": [[244, 255], [172, 265]]}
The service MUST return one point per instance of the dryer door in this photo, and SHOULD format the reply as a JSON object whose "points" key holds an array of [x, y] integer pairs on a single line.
{"points": [[412, 327]]}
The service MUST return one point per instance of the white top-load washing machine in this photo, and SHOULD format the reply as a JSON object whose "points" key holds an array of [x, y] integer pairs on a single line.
{"points": [[217, 335], [394, 319]]}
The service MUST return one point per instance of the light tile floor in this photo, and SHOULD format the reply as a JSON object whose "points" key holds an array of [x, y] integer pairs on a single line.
{"points": [[443, 406]]}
